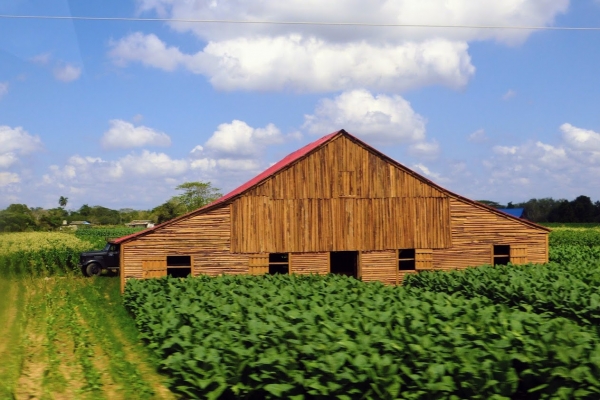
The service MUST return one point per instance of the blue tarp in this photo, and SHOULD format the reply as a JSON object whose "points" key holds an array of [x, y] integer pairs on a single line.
{"points": [[515, 212]]}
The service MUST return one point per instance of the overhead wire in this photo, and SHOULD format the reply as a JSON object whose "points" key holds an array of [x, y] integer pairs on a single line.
{"points": [[314, 23]]}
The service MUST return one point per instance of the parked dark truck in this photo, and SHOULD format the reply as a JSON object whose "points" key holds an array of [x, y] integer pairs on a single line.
{"points": [[92, 263]]}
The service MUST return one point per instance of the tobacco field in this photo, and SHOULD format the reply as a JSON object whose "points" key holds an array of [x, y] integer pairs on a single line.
{"points": [[504, 332]]}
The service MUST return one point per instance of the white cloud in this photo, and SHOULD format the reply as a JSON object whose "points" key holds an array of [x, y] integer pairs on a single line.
{"points": [[7, 178], [505, 149], [379, 119], [238, 140], [434, 176], [153, 164], [124, 135], [318, 58], [564, 170], [580, 139], [426, 150], [8, 159], [17, 140], [67, 72], [307, 64], [509, 95], [3, 89], [234, 153], [478, 136], [455, 12]]}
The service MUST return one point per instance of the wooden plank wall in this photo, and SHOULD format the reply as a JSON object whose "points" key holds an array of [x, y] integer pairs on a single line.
{"points": [[265, 225], [309, 263], [475, 230], [379, 266], [205, 237], [325, 175]]}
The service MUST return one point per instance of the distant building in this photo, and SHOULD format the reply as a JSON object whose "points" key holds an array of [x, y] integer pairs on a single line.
{"points": [[515, 212], [140, 223], [76, 224]]}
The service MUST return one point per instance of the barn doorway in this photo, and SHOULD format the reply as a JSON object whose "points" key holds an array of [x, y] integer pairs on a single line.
{"points": [[344, 263]]}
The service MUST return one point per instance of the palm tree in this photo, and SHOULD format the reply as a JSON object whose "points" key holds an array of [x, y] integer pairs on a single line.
{"points": [[62, 201]]}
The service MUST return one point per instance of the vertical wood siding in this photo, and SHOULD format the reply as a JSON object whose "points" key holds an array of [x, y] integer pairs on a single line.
{"points": [[205, 237], [325, 174], [474, 232], [266, 225]]}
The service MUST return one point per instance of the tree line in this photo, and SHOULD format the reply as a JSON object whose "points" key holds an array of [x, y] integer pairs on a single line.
{"points": [[20, 217], [580, 210]]}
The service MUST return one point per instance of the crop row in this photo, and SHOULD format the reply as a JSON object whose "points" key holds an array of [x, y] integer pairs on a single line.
{"points": [[99, 236], [565, 290], [326, 337], [577, 237]]}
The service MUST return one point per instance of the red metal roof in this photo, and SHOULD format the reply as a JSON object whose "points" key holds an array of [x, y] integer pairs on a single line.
{"points": [[272, 170]]}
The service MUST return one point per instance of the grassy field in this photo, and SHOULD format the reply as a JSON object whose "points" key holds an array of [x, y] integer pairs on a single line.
{"points": [[69, 337]]}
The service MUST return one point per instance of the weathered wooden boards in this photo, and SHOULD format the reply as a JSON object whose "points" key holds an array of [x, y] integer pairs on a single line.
{"points": [[268, 225], [476, 229]]}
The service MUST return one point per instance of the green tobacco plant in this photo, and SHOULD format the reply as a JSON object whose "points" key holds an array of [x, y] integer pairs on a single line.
{"points": [[560, 290], [336, 337]]}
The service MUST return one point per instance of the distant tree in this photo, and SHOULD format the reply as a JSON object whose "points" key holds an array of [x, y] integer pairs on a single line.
{"points": [[197, 194], [85, 210], [52, 218], [17, 218], [491, 203], [167, 211], [538, 210], [62, 201], [584, 209]]}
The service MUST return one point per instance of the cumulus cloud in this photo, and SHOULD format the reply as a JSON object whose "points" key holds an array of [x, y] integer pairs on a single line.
{"points": [[456, 12], [239, 140], [18, 141], [581, 139], [235, 149], [124, 135], [234, 153], [306, 64], [568, 166], [67, 72], [3, 89], [319, 58], [379, 119]]}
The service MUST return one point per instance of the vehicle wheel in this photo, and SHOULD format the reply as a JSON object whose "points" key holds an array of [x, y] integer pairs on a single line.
{"points": [[93, 269], [84, 271]]}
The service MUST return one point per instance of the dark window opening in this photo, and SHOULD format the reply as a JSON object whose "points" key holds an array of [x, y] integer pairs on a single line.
{"points": [[179, 266], [279, 263], [179, 272], [344, 263], [501, 254], [179, 261], [406, 260]]}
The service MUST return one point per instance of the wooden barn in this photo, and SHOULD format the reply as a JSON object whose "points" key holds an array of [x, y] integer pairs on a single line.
{"points": [[336, 205]]}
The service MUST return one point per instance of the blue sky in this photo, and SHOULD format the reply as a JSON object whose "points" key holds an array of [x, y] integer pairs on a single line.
{"points": [[118, 113]]}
